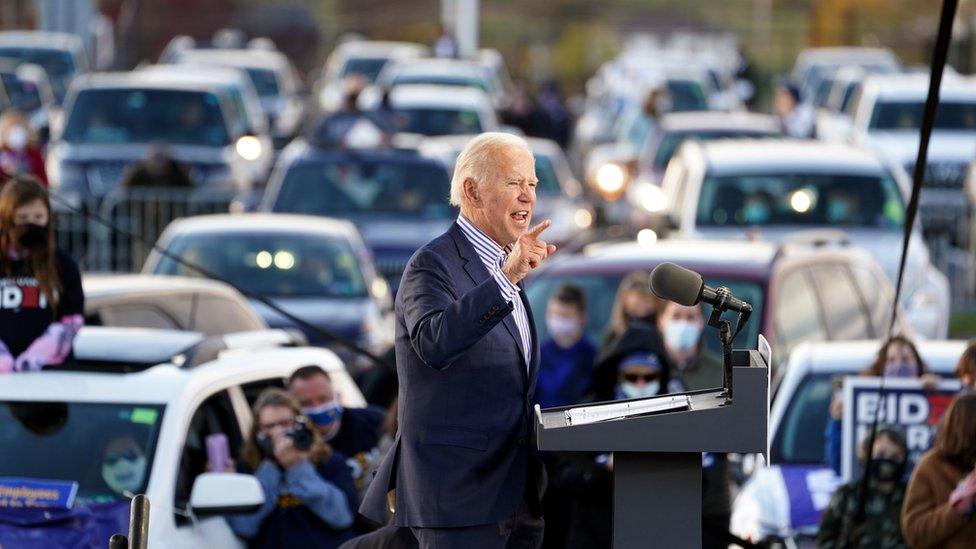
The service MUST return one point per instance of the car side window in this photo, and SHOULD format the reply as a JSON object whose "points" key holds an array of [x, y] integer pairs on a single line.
{"points": [[877, 296], [798, 317], [138, 316], [254, 389], [842, 303], [214, 415], [218, 316]]}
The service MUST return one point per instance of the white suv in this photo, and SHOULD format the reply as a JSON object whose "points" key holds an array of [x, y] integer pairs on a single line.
{"points": [[166, 391]]}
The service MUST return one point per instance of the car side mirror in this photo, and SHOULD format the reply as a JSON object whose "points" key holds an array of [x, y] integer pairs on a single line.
{"points": [[225, 494]]}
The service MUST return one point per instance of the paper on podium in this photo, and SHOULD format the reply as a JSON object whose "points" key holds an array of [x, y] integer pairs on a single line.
{"points": [[618, 410]]}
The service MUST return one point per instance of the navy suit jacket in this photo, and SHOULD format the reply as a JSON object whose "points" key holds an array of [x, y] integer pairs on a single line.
{"points": [[462, 455]]}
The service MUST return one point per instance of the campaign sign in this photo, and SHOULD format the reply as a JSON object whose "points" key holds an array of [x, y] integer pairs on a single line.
{"points": [[28, 493], [914, 411]]}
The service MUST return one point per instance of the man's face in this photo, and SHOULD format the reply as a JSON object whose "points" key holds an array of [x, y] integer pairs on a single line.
{"points": [[674, 312], [312, 392], [503, 208]]}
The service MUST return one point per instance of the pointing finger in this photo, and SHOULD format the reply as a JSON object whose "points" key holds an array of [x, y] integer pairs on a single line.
{"points": [[534, 232], [550, 249]]}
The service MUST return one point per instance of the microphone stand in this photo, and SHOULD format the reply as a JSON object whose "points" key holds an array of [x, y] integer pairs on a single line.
{"points": [[726, 336]]}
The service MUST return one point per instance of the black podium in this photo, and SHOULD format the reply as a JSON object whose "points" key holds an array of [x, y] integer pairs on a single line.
{"points": [[657, 444]]}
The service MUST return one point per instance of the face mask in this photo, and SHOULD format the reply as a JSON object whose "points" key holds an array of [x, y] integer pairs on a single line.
{"points": [[562, 327], [755, 213], [632, 390], [681, 335], [32, 237], [325, 415], [885, 469], [837, 211], [124, 475], [899, 369], [17, 138], [265, 446], [646, 319]]}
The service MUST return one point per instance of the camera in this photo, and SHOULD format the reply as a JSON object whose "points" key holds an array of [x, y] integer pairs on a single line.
{"points": [[301, 434]]}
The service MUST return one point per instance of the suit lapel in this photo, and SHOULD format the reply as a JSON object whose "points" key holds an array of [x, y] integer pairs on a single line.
{"points": [[533, 368]]}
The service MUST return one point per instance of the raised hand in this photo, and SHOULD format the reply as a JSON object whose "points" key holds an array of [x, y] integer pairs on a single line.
{"points": [[529, 252]]}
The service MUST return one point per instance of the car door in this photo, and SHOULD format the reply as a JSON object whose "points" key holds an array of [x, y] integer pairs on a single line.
{"points": [[797, 314], [843, 307]]}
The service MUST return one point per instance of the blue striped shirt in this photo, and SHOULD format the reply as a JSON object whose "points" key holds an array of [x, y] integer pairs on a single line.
{"points": [[493, 256]]}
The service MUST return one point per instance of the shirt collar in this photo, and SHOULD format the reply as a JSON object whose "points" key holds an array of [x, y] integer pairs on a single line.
{"points": [[482, 242]]}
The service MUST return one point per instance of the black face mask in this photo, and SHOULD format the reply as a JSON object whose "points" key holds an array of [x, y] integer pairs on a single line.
{"points": [[885, 470], [32, 237], [646, 319]]}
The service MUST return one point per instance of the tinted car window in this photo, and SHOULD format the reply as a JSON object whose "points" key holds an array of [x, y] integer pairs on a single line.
{"points": [[364, 66], [687, 95], [438, 121], [601, 290], [265, 81], [58, 64], [37, 436], [797, 318], [363, 187], [279, 265], [846, 315], [890, 115], [22, 94], [110, 116], [672, 140], [800, 199], [800, 436]]}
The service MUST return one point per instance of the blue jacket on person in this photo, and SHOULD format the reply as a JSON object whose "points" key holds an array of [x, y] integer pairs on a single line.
{"points": [[462, 455]]}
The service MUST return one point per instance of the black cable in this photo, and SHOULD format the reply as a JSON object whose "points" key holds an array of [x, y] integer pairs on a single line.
{"points": [[328, 334], [939, 56]]}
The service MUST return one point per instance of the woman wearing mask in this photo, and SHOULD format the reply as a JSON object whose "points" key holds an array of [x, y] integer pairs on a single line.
{"points": [[19, 155], [308, 488], [635, 303], [42, 306], [897, 358], [880, 525], [939, 504], [124, 465]]}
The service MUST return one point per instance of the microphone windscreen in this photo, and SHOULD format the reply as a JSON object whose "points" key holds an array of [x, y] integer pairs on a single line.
{"points": [[675, 283]]}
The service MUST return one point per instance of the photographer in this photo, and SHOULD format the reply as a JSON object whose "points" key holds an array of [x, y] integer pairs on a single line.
{"points": [[308, 488]]}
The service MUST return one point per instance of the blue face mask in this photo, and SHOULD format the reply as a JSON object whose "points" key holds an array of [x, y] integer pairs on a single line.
{"points": [[324, 415], [755, 213]]}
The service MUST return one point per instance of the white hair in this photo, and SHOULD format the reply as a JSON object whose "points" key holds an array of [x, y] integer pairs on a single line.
{"points": [[475, 161]]}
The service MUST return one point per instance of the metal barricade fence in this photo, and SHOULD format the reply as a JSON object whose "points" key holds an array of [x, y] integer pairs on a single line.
{"points": [[144, 213]]}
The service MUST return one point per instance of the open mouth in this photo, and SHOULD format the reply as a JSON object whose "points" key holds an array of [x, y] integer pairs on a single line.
{"points": [[521, 217]]}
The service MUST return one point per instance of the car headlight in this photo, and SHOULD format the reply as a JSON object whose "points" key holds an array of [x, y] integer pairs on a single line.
{"points": [[610, 180], [651, 198], [249, 147], [583, 218]]}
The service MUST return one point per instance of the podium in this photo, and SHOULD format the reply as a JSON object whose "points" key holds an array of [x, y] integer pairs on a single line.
{"points": [[657, 446]]}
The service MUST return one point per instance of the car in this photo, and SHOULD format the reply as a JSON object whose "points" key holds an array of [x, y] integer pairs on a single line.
{"points": [[315, 268], [398, 198], [167, 391], [365, 58], [765, 504], [441, 72], [61, 54], [559, 196], [25, 86], [112, 119], [887, 116], [832, 121], [274, 78], [437, 110], [770, 188], [167, 303], [249, 116], [808, 290], [814, 64]]}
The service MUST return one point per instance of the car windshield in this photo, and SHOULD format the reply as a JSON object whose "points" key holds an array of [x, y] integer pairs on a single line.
{"points": [[128, 115], [23, 95], [106, 448], [279, 265], [58, 64], [601, 289], [265, 81], [438, 121], [671, 141], [800, 435], [800, 199], [548, 180], [367, 67], [907, 115], [358, 187], [687, 95]]}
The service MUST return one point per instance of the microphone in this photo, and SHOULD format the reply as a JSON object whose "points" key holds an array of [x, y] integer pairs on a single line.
{"points": [[686, 287]]}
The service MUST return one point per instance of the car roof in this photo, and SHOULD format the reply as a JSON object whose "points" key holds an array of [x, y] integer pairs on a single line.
{"points": [[99, 285], [714, 120], [135, 80], [264, 59], [455, 143], [836, 357], [379, 48], [432, 96], [773, 155], [263, 222], [437, 66], [41, 39], [915, 87], [750, 260], [195, 73]]}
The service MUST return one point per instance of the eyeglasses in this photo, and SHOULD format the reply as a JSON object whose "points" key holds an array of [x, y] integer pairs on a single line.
{"points": [[129, 455], [634, 377], [285, 423]]}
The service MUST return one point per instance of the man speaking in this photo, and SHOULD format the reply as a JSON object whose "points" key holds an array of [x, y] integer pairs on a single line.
{"points": [[461, 473]]}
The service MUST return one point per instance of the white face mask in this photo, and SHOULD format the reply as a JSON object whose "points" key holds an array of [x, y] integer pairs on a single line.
{"points": [[124, 475], [682, 335], [632, 390], [17, 138], [562, 327]]}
